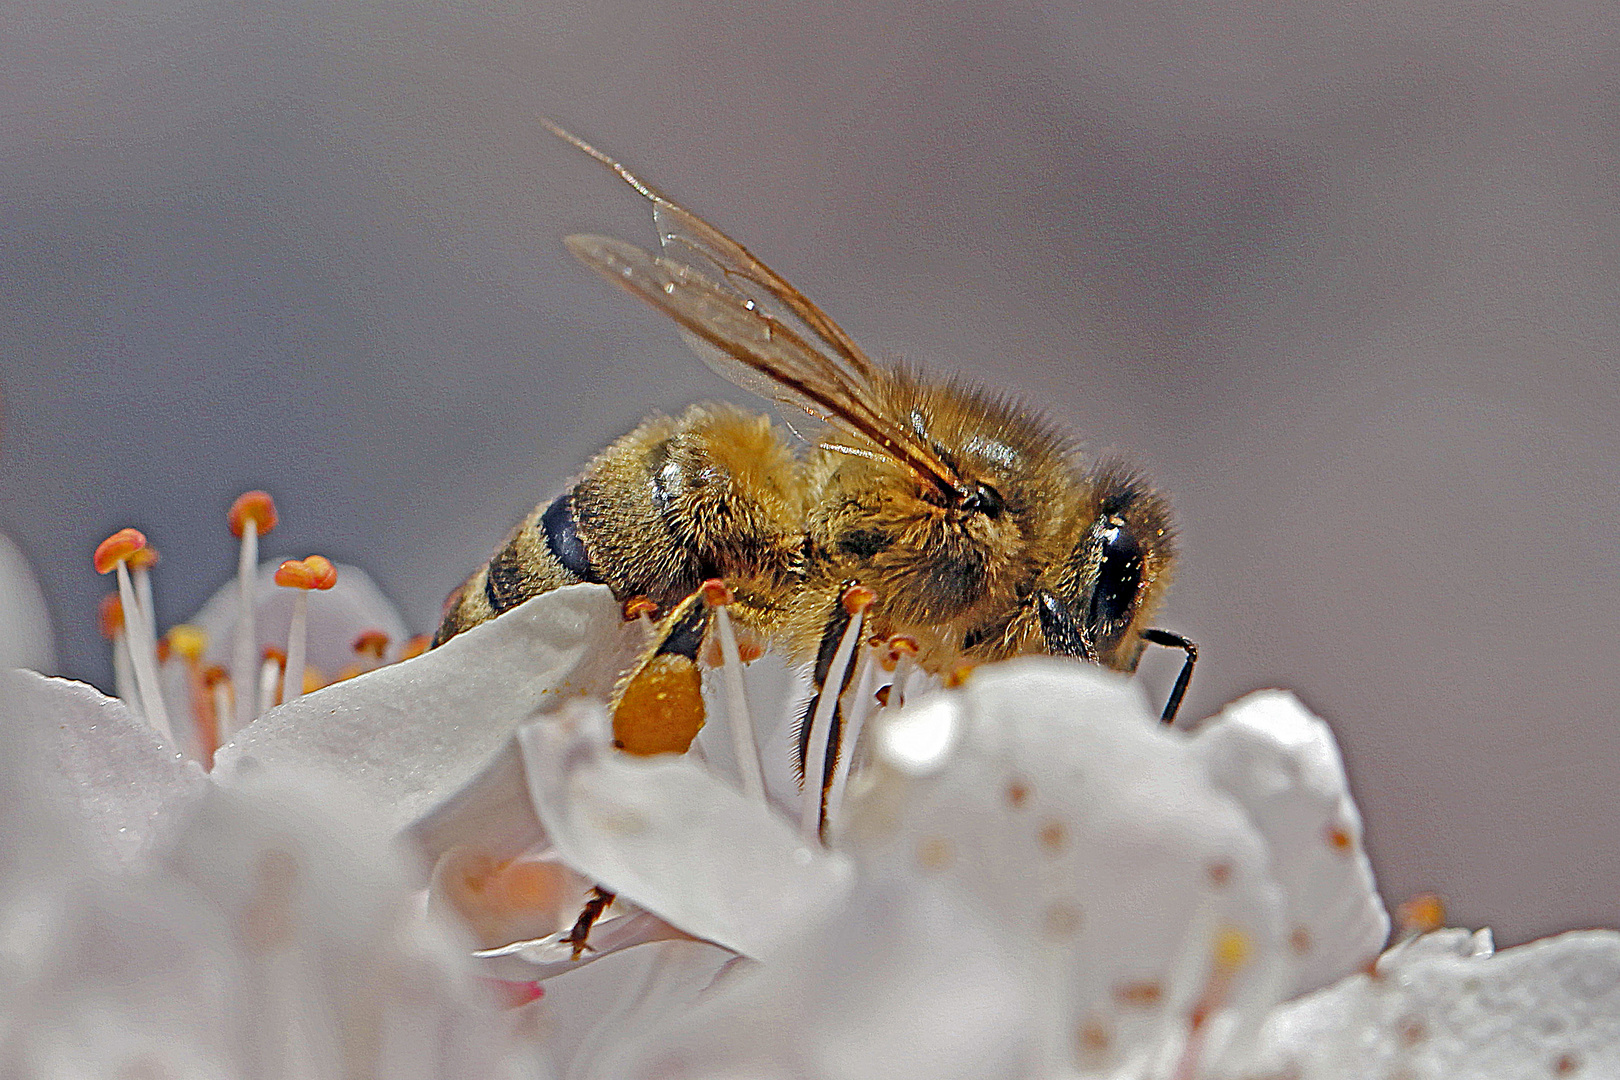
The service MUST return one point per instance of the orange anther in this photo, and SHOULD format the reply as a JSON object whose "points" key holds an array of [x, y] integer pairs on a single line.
{"points": [[414, 647], [350, 672], [637, 606], [315, 572], [959, 672], [857, 598], [163, 650], [900, 645], [372, 643], [213, 675], [313, 679], [1421, 914], [117, 548], [273, 653], [255, 506], [716, 593], [187, 641], [143, 558], [112, 616]]}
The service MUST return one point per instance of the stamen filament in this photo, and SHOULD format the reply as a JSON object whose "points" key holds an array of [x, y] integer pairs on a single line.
{"points": [[737, 714], [292, 680], [269, 681], [143, 656], [247, 566]]}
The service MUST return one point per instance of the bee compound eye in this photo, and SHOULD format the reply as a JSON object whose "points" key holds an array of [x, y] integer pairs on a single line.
{"points": [[984, 499], [1119, 576]]}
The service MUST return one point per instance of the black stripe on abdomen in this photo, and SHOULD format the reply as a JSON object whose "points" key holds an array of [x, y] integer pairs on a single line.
{"points": [[562, 537]]}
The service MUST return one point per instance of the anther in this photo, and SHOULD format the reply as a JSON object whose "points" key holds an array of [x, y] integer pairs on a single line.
{"points": [[637, 606], [255, 507], [117, 548], [1422, 914], [716, 593], [857, 598], [371, 644], [414, 647], [305, 575]]}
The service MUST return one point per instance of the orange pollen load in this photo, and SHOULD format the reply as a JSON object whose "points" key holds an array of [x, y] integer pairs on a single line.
{"points": [[112, 616], [117, 548], [315, 572], [372, 643], [255, 506], [857, 598]]}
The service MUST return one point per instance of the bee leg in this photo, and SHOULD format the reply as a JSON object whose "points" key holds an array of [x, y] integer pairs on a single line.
{"points": [[853, 600], [1064, 634], [577, 937], [658, 707], [1177, 692]]}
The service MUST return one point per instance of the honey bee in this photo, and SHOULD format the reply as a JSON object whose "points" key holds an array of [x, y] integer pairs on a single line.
{"points": [[979, 531]]}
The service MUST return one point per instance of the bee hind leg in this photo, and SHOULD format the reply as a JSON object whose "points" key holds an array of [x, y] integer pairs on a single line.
{"points": [[658, 707], [579, 936]]}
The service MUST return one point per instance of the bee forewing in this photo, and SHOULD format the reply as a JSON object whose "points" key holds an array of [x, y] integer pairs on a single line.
{"points": [[750, 347]]}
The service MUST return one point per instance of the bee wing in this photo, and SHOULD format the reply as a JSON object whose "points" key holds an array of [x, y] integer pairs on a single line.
{"points": [[689, 239], [758, 350]]}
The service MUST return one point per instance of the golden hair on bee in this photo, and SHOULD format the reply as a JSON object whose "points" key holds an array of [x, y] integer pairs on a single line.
{"points": [[972, 528]]}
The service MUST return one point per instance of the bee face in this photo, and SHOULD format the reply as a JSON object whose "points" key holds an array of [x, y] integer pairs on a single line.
{"points": [[960, 556], [968, 518]]}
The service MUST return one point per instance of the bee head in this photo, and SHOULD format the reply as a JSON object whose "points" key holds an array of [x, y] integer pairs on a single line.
{"points": [[1105, 591]]}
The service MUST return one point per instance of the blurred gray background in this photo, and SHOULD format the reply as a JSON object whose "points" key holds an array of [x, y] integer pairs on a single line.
{"points": [[1342, 276]]}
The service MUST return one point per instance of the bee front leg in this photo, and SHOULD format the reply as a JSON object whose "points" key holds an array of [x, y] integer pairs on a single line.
{"points": [[834, 664]]}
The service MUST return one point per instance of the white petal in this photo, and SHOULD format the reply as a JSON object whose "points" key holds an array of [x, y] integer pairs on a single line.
{"points": [[671, 837], [1281, 763], [410, 734], [82, 749], [1046, 884], [1550, 1009], [25, 623]]}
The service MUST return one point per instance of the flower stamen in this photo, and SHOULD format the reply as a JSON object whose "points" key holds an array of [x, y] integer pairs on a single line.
{"points": [[252, 515], [113, 554]]}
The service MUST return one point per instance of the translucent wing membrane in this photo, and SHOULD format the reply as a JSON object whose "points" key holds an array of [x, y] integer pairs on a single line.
{"points": [[753, 349], [687, 238], [750, 325]]}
